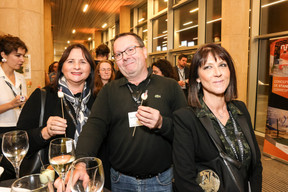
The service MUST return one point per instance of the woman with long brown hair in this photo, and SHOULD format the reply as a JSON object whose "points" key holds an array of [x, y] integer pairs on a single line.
{"points": [[104, 73]]}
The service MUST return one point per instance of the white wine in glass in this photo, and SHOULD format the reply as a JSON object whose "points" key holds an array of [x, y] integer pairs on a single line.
{"points": [[61, 155], [15, 145]]}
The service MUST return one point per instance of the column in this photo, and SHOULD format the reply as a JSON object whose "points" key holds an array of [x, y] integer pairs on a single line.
{"points": [[235, 36], [24, 18], [48, 40], [124, 19]]}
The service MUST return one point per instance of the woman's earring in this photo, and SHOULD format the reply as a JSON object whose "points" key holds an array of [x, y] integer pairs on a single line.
{"points": [[198, 86], [4, 60]]}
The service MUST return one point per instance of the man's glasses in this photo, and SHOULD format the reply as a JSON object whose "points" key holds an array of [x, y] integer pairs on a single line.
{"points": [[129, 51]]}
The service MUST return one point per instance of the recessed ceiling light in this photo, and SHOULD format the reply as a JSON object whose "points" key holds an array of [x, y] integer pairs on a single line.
{"points": [[89, 39], [85, 8], [104, 25], [194, 10], [68, 41], [190, 22], [73, 31], [142, 19]]}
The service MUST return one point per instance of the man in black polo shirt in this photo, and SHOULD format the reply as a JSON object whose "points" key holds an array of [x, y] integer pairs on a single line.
{"points": [[134, 114]]}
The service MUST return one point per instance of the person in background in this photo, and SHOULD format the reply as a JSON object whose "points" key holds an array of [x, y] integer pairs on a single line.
{"points": [[13, 90], [12, 84], [182, 73], [212, 90], [102, 53], [164, 68], [53, 71], [75, 79], [104, 73], [134, 113]]}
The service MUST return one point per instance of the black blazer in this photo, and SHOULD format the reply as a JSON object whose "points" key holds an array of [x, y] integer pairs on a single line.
{"points": [[192, 144]]}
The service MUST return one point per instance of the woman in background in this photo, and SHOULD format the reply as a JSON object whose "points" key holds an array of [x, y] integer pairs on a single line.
{"points": [[12, 84], [212, 90], [164, 68], [104, 73], [75, 77]]}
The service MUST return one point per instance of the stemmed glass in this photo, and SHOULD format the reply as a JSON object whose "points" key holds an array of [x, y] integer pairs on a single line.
{"points": [[15, 145], [32, 183], [86, 175], [61, 155]]}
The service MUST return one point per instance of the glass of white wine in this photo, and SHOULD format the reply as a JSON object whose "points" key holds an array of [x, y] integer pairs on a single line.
{"points": [[15, 145], [86, 175], [61, 155]]}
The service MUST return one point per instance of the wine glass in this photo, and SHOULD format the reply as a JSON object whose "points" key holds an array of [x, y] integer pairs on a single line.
{"points": [[61, 155], [32, 183], [15, 145], [86, 175]]}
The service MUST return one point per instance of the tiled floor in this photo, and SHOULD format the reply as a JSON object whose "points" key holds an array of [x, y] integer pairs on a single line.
{"points": [[275, 173]]}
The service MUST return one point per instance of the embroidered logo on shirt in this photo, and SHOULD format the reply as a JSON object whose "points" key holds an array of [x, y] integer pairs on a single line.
{"points": [[157, 96]]}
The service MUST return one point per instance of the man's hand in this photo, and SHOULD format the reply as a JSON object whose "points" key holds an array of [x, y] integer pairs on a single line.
{"points": [[181, 83], [79, 173], [149, 117]]}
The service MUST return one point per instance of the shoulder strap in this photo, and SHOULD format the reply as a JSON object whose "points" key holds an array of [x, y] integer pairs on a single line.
{"points": [[43, 99], [216, 140]]}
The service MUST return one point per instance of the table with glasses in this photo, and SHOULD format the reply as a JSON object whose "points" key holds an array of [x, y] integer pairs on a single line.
{"points": [[85, 174]]}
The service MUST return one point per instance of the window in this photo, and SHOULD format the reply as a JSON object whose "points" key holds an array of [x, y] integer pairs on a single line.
{"points": [[274, 16], [159, 5], [186, 25], [213, 21], [142, 32], [142, 14], [131, 19], [160, 34]]}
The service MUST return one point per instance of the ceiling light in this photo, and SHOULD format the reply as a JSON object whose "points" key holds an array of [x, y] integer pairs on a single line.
{"points": [[89, 39], [269, 4], [160, 36], [142, 19], [194, 10], [65, 47], [145, 30], [104, 25], [190, 22], [166, 20], [73, 31], [85, 8], [165, 0], [194, 26], [68, 41], [212, 21]]}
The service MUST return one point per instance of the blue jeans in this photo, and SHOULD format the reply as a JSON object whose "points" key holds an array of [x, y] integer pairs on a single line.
{"points": [[161, 182]]}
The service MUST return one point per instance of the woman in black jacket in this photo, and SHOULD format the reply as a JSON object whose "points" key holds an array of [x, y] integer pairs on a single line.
{"points": [[213, 112], [74, 81]]}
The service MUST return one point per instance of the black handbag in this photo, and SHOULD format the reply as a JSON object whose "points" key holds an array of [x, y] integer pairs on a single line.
{"points": [[32, 163]]}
